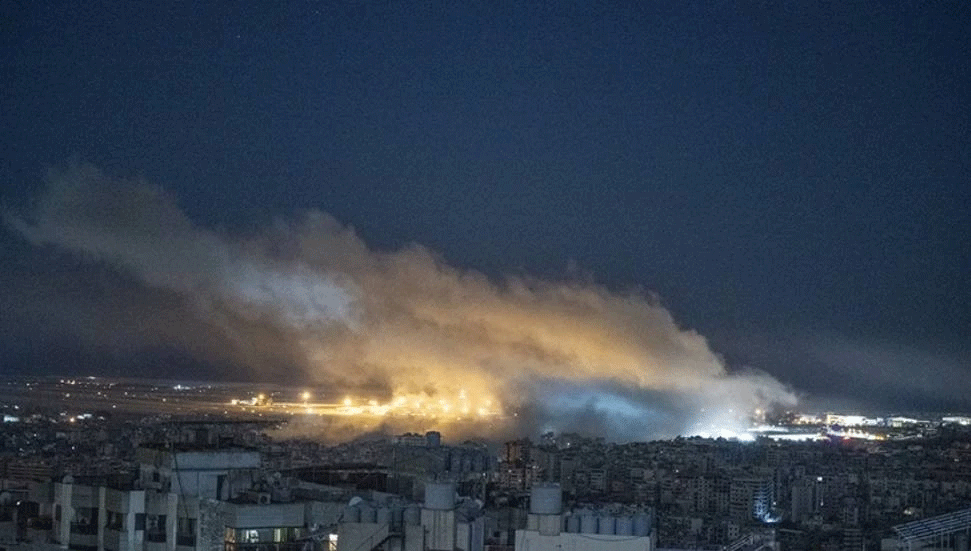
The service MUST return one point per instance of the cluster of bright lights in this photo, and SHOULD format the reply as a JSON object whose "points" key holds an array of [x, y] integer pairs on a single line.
{"points": [[728, 424], [421, 405], [726, 433], [258, 400], [855, 434], [452, 408]]}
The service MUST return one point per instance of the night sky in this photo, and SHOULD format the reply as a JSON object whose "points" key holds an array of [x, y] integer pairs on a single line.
{"points": [[791, 179]]}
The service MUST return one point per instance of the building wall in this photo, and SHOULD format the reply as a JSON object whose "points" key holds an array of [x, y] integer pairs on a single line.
{"points": [[439, 529], [470, 536], [262, 516], [127, 504], [211, 474], [528, 540], [356, 536], [214, 517], [323, 513]]}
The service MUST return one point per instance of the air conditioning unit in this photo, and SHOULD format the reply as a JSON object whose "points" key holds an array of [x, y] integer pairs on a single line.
{"points": [[263, 498]]}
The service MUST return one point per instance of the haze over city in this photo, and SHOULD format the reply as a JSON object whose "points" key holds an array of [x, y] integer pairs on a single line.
{"points": [[615, 218]]}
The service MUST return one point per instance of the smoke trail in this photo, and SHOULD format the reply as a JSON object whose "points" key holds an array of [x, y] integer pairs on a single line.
{"points": [[406, 330]]}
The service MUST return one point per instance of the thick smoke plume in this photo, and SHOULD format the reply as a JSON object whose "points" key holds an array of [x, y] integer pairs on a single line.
{"points": [[401, 333]]}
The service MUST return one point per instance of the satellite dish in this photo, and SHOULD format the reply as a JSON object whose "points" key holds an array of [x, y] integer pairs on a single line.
{"points": [[354, 501]]}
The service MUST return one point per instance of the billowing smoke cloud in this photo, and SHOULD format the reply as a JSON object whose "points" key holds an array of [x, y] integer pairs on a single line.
{"points": [[403, 330]]}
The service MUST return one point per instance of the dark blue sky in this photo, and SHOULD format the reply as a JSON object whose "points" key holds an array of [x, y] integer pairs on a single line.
{"points": [[789, 177]]}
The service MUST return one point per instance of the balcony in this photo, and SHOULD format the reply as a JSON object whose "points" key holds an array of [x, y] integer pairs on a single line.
{"points": [[115, 540], [84, 529]]}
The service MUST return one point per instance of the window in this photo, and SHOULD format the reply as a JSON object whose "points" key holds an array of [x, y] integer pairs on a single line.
{"points": [[155, 522], [186, 532], [139, 521], [115, 521], [187, 525], [85, 521], [155, 528], [283, 535]]}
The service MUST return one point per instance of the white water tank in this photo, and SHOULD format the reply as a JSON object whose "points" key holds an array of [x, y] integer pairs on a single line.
{"points": [[642, 524], [384, 515], [588, 523], [352, 514], [440, 496], [624, 526], [546, 499], [605, 525], [368, 514], [573, 523], [412, 515]]}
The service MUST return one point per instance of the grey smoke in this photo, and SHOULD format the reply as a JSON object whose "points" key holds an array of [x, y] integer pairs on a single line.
{"points": [[404, 323]]}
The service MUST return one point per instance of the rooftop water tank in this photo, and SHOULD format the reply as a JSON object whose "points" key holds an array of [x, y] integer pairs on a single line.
{"points": [[368, 514], [412, 515], [384, 515], [588, 523], [440, 496], [605, 525], [573, 523], [352, 514], [546, 499], [624, 526], [642, 524]]}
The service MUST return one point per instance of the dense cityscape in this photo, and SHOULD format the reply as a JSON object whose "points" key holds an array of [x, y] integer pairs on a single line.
{"points": [[122, 465], [485, 276]]}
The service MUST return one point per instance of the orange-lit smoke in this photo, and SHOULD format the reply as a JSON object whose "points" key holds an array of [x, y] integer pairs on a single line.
{"points": [[406, 330]]}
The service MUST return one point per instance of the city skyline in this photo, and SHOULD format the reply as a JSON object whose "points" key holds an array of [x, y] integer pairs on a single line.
{"points": [[613, 210]]}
